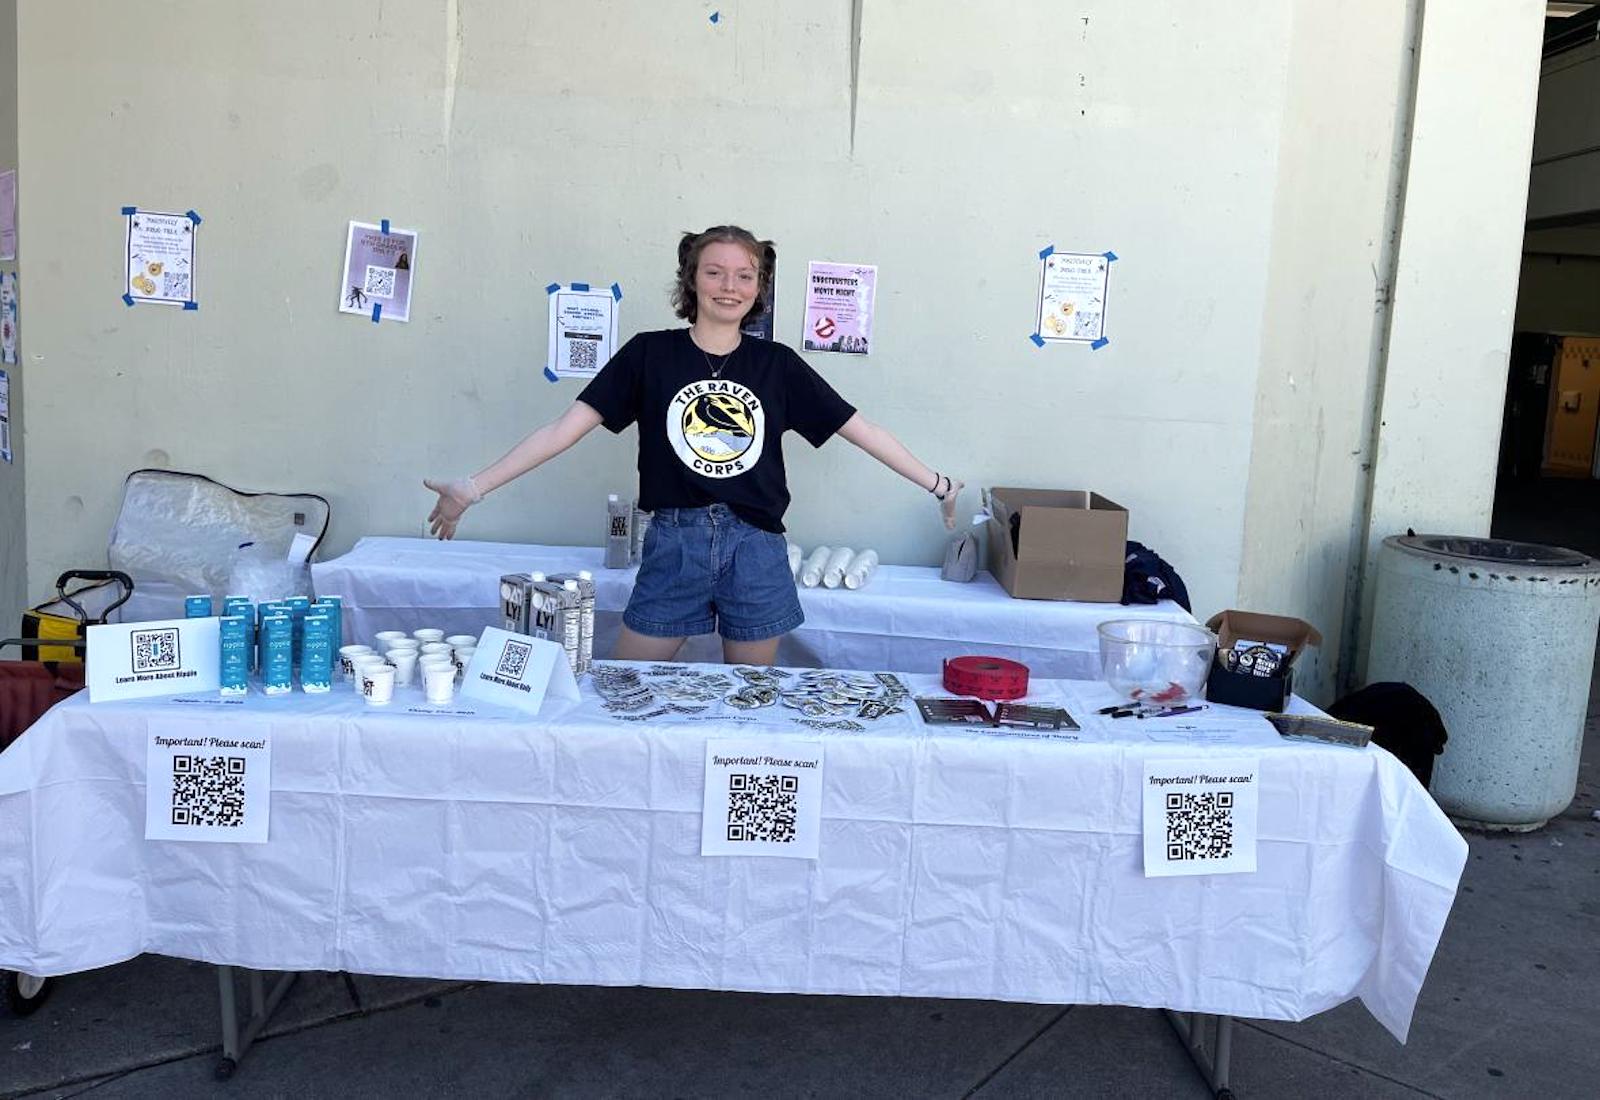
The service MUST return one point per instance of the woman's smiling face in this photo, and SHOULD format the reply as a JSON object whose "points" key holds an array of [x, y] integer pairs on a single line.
{"points": [[726, 281]]}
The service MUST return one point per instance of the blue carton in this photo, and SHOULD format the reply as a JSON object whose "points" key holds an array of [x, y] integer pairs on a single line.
{"points": [[235, 667]]}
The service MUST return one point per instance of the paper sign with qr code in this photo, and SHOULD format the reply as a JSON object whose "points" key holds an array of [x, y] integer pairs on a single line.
{"points": [[762, 798], [1200, 816], [204, 781]]}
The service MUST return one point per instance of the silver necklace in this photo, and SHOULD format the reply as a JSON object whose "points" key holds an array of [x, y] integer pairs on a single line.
{"points": [[716, 368]]}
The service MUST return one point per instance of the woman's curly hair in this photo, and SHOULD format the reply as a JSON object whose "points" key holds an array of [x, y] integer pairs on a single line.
{"points": [[684, 303]]}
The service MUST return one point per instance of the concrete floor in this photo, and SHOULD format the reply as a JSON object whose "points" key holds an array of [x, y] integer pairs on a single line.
{"points": [[1509, 1010]]}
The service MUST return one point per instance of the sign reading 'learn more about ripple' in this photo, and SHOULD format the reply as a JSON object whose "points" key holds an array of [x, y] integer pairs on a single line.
{"points": [[166, 657]]}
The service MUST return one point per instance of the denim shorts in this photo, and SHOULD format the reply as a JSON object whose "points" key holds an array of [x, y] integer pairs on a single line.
{"points": [[705, 570]]}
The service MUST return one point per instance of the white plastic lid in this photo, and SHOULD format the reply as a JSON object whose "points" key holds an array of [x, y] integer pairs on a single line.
{"points": [[586, 575], [570, 586], [611, 498], [536, 576]]}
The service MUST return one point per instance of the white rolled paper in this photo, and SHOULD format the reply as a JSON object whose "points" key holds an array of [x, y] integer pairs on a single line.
{"points": [[833, 573], [811, 571], [796, 556], [860, 569]]}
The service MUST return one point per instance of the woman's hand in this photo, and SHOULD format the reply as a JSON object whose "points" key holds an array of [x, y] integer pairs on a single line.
{"points": [[947, 501], [455, 497]]}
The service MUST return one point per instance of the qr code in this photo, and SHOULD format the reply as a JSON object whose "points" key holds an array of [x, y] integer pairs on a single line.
{"points": [[1199, 826], [380, 282], [1086, 324], [762, 807], [513, 660], [175, 285], [208, 790], [155, 650], [583, 353]]}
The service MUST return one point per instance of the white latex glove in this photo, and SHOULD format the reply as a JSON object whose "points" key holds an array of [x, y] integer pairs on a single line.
{"points": [[947, 503], [455, 497]]}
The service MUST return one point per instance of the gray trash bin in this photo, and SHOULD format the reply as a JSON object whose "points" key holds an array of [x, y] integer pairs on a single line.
{"points": [[1500, 636]]}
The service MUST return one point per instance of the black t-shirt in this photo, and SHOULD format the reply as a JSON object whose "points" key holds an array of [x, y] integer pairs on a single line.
{"points": [[705, 440]]}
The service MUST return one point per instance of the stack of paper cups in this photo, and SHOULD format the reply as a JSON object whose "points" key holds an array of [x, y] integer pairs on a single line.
{"points": [[796, 556], [861, 568], [811, 570], [838, 562]]}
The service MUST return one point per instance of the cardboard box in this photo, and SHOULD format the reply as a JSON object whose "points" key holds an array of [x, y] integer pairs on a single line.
{"points": [[1072, 544], [1244, 689]]}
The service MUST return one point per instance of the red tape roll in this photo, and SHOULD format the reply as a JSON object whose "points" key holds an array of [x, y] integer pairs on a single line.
{"points": [[985, 677]]}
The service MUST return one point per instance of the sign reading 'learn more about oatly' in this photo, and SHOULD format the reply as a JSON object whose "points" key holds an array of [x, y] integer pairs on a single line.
{"points": [[514, 670], [166, 657]]}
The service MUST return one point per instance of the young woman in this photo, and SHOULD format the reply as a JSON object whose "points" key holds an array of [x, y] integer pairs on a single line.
{"points": [[712, 406]]}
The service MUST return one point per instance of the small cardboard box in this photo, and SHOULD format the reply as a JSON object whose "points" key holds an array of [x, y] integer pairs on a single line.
{"points": [[1071, 546], [1243, 689]]}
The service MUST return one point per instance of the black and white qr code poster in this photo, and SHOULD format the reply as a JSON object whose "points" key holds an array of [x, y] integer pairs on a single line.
{"points": [[1200, 816], [206, 785], [762, 798]]}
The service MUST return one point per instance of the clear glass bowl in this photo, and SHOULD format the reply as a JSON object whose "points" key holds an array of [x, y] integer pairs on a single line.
{"points": [[1148, 661]]}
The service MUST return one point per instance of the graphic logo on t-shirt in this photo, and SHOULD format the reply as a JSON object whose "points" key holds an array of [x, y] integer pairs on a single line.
{"points": [[716, 427]]}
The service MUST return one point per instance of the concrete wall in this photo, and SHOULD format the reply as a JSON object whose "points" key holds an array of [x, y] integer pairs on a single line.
{"points": [[14, 592], [523, 159], [1443, 383], [1340, 163], [1566, 150], [1224, 151]]}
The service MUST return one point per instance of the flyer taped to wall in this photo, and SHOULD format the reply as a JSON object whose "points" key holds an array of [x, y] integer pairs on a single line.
{"points": [[583, 330], [378, 263], [5, 417], [9, 318], [839, 305], [160, 257], [8, 214], [1072, 296]]}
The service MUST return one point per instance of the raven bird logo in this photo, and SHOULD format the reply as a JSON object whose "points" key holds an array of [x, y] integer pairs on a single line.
{"points": [[718, 427]]}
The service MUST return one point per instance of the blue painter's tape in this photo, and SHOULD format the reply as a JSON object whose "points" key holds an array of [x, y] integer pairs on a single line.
{"points": [[1100, 343], [129, 211], [1110, 256], [716, 17], [616, 292], [377, 312], [127, 300], [191, 305], [580, 286], [1038, 341], [194, 217], [552, 288], [550, 374], [1047, 251], [383, 227]]}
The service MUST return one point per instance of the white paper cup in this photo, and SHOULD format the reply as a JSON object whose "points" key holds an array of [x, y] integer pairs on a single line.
{"points": [[347, 655], [404, 642], [405, 665], [463, 658], [435, 649], [439, 681], [377, 684], [387, 638], [462, 641], [428, 634]]}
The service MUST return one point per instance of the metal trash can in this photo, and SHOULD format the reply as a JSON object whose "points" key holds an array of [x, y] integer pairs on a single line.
{"points": [[1500, 636]]}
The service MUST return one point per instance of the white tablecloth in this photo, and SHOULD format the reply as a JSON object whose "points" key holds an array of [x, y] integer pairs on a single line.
{"points": [[905, 620], [567, 849]]}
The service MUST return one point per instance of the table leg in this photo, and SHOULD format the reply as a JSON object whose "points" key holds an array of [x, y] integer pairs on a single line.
{"points": [[262, 1005], [1216, 1066]]}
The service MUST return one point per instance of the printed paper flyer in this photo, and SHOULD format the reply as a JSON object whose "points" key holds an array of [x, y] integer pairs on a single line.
{"points": [[839, 305], [160, 257], [377, 272], [1072, 296]]}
